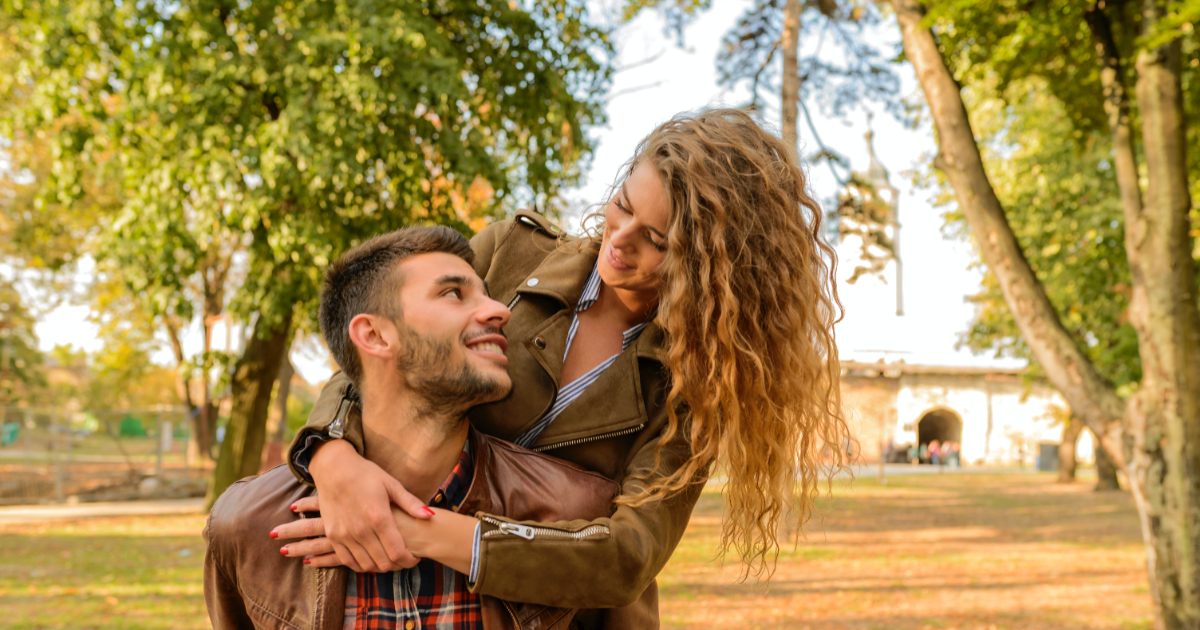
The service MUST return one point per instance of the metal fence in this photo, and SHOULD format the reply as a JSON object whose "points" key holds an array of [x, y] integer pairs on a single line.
{"points": [[55, 454]]}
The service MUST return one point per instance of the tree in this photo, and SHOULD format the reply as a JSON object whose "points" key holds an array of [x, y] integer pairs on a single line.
{"points": [[253, 143], [19, 355], [1084, 58], [763, 50]]}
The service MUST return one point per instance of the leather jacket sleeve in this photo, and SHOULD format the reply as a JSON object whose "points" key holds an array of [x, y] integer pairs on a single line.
{"points": [[593, 572]]}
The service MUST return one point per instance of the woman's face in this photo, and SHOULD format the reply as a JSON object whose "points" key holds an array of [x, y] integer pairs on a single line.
{"points": [[635, 232]]}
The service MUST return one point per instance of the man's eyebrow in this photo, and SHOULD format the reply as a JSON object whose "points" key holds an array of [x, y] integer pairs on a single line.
{"points": [[629, 206], [460, 281]]}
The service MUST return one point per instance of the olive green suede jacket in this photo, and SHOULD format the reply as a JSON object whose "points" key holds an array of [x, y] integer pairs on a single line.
{"points": [[613, 429]]}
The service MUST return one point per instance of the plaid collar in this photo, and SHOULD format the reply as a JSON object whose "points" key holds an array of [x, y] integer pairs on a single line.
{"points": [[454, 489]]}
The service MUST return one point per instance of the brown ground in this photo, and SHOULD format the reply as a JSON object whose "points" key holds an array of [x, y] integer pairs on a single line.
{"points": [[948, 551]]}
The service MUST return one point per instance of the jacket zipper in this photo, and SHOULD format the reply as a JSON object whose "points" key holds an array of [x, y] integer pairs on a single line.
{"points": [[594, 438], [512, 613], [529, 533]]}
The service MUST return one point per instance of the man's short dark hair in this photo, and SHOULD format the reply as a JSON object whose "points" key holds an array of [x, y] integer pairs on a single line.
{"points": [[367, 280]]}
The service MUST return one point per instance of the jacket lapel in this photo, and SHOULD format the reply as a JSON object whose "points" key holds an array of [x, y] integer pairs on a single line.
{"points": [[606, 406], [562, 274]]}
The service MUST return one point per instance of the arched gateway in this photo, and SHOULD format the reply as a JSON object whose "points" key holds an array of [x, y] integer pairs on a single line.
{"points": [[939, 424]]}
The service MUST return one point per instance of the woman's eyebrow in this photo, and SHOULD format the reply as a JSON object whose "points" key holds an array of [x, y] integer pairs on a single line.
{"points": [[629, 206]]}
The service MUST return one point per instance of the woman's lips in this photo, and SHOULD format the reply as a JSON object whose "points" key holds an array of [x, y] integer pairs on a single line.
{"points": [[614, 262]]}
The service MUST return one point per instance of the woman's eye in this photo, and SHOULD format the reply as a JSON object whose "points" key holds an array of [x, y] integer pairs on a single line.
{"points": [[621, 206]]}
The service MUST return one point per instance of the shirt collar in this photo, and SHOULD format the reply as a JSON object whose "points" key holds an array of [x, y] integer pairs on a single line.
{"points": [[454, 489], [591, 293]]}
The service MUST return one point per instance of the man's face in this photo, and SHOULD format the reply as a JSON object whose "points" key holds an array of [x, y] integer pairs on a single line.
{"points": [[452, 348]]}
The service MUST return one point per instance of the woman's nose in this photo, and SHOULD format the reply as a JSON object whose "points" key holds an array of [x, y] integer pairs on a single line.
{"points": [[622, 235]]}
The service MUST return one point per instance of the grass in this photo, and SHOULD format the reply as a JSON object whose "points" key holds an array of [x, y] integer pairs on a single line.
{"points": [[988, 552], [949, 552]]}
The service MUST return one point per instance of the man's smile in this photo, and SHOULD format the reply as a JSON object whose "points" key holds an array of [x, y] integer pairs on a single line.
{"points": [[492, 345]]}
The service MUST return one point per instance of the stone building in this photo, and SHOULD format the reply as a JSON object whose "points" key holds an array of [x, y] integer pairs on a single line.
{"points": [[997, 416]]}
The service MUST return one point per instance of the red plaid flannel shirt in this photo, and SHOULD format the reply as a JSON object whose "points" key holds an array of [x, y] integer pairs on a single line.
{"points": [[428, 595]]}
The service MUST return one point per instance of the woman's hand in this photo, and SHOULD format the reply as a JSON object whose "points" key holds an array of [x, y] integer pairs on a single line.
{"points": [[356, 510], [446, 538]]}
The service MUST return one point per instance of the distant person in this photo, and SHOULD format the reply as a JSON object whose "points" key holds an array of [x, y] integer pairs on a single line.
{"points": [[923, 455], [935, 453], [914, 455]]}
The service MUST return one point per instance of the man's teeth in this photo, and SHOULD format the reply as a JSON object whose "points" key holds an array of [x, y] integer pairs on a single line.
{"points": [[488, 347]]}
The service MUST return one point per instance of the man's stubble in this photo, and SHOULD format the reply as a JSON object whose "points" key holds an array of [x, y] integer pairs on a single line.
{"points": [[445, 387]]}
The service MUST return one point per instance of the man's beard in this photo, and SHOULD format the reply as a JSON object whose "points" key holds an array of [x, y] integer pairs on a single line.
{"points": [[443, 386]]}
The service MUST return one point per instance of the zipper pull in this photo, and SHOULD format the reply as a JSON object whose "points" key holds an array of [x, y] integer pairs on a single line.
{"points": [[524, 531]]}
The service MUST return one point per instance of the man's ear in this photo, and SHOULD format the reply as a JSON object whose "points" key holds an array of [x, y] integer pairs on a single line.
{"points": [[374, 335]]}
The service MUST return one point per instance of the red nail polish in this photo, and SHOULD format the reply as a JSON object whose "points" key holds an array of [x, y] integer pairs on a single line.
{"points": [[427, 510], [308, 561], [283, 550], [293, 507], [274, 534]]}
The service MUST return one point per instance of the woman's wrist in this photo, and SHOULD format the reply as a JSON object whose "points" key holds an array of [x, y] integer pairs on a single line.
{"points": [[447, 537], [329, 451]]}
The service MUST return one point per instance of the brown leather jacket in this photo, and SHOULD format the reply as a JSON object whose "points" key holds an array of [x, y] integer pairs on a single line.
{"points": [[615, 428], [248, 584]]}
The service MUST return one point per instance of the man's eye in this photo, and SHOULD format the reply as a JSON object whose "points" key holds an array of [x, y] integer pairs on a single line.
{"points": [[457, 293]]}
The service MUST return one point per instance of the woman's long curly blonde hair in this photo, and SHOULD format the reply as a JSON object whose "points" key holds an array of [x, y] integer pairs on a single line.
{"points": [[748, 306]]}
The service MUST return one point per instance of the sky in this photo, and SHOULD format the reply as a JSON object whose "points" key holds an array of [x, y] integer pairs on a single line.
{"points": [[938, 272]]}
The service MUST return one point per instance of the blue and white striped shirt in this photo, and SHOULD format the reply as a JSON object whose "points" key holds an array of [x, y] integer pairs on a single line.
{"points": [[570, 391]]}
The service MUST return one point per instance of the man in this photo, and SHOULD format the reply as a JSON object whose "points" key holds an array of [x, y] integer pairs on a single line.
{"points": [[412, 325]]}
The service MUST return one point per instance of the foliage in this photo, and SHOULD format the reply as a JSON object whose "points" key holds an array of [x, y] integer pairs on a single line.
{"points": [[1031, 82], [286, 131], [246, 145], [1062, 202], [20, 358]]}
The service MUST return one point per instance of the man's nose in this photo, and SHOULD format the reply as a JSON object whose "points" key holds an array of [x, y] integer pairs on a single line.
{"points": [[494, 313]]}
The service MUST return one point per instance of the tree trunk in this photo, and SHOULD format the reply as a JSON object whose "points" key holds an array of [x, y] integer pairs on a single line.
{"points": [[1066, 450], [286, 372], [1093, 400], [1163, 418], [200, 435], [253, 379], [1106, 472], [790, 96]]}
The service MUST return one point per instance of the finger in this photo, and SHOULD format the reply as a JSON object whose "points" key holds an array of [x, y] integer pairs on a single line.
{"points": [[405, 500], [307, 504], [379, 554], [347, 559], [362, 557], [303, 528], [312, 547], [396, 549], [324, 561]]}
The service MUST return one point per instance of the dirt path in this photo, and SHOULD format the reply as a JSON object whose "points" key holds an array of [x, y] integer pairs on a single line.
{"points": [[78, 511]]}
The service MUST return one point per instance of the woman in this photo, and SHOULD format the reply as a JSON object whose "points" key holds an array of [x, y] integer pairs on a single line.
{"points": [[696, 330]]}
